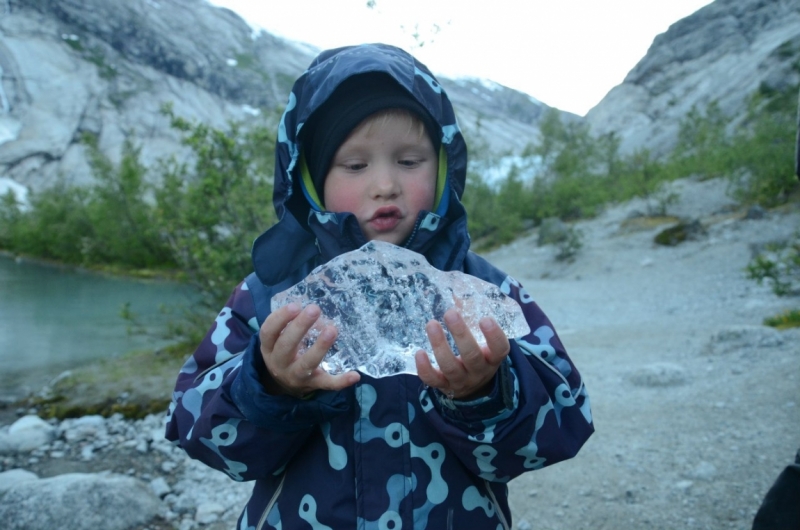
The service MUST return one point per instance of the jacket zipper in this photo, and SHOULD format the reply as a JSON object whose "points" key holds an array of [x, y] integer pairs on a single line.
{"points": [[271, 503], [500, 514]]}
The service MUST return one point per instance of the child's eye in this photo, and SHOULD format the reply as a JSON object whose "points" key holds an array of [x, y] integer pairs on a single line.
{"points": [[354, 166], [409, 163]]}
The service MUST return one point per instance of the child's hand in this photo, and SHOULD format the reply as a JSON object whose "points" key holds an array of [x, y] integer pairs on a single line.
{"points": [[469, 375], [292, 373]]}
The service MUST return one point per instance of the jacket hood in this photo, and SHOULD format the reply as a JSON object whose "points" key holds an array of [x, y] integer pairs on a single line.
{"points": [[304, 232], [319, 81]]}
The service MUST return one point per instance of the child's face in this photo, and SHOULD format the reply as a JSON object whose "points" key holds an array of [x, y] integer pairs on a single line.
{"points": [[384, 173]]}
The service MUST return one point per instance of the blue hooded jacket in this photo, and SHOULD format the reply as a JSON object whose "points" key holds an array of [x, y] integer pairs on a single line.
{"points": [[389, 452]]}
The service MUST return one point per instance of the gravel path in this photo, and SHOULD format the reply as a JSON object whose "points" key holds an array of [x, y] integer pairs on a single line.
{"points": [[695, 402]]}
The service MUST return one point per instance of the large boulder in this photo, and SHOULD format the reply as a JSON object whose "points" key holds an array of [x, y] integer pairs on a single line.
{"points": [[9, 479], [79, 501]]}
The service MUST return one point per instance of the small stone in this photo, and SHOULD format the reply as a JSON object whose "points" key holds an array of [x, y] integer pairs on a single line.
{"points": [[160, 487], [208, 512], [755, 212], [659, 375], [87, 453], [523, 524], [704, 471]]}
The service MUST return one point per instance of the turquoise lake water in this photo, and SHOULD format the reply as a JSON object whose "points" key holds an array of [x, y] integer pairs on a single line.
{"points": [[53, 319]]}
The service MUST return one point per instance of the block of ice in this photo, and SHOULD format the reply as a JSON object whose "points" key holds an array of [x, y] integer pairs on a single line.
{"points": [[381, 296]]}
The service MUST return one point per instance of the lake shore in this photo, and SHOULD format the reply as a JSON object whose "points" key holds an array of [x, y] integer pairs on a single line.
{"points": [[56, 318]]}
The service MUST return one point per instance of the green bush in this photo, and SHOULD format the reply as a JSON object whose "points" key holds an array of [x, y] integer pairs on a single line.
{"points": [[577, 174], [56, 226], [785, 320], [764, 149], [571, 182], [704, 148], [778, 265], [210, 212], [124, 229]]}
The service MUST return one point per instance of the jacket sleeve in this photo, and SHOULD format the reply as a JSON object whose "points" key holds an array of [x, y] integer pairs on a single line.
{"points": [[537, 414], [220, 413]]}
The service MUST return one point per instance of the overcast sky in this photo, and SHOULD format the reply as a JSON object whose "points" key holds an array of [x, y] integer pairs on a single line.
{"points": [[565, 53]]}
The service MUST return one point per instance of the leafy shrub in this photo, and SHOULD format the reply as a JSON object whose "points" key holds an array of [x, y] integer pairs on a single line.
{"points": [[786, 320], [779, 265], [704, 147], [765, 149], [569, 246], [571, 183], [124, 230], [641, 175], [210, 212]]}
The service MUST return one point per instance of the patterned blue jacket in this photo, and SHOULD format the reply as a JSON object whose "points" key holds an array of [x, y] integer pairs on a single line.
{"points": [[388, 453]]}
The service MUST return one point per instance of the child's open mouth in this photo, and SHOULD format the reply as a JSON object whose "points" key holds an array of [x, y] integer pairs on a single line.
{"points": [[385, 219]]}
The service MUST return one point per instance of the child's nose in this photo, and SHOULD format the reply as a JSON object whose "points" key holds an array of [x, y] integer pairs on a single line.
{"points": [[386, 183]]}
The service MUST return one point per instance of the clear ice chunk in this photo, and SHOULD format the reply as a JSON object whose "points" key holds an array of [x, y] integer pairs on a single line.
{"points": [[381, 296]]}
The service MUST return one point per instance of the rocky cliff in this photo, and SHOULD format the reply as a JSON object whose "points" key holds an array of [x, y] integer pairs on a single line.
{"points": [[723, 52], [71, 67], [105, 67]]}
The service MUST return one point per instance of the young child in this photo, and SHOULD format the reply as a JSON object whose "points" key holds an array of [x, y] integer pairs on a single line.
{"points": [[368, 148]]}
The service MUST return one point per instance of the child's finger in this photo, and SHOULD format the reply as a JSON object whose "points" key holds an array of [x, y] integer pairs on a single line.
{"points": [[310, 360], [339, 382], [447, 361], [275, 323], [496, 340], [288, 341], [427, 373], [468, 349]]}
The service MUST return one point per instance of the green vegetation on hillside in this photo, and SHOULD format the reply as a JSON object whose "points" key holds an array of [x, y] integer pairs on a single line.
{"points": [[577, 174], [200, 219]]}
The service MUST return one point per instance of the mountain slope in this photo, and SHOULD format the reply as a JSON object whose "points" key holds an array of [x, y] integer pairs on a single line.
{"points": [[105, 68], [723, 52]]}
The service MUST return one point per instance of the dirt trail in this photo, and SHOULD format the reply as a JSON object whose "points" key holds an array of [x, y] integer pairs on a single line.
{"points": [[696, 404]]}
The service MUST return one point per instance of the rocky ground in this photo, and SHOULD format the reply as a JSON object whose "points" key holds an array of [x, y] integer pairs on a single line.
{"points": [[696, 404]]}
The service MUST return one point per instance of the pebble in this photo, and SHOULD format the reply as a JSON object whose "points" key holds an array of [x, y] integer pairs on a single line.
{"points": [[523, 524]]}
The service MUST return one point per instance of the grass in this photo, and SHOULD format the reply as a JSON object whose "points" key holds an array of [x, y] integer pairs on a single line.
{"points": [[786, 320], [134, 385]]}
